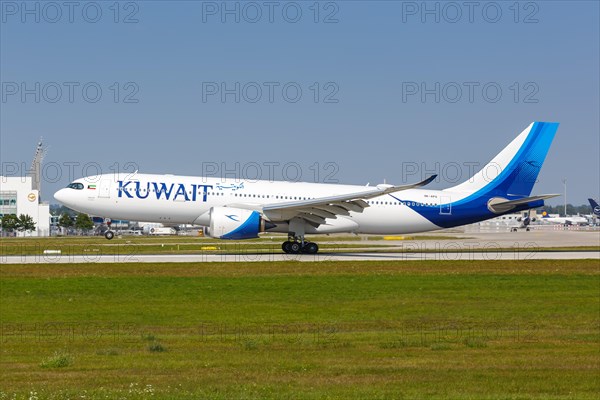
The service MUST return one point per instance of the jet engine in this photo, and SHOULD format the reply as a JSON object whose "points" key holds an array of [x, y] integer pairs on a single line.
{"points": [[236, 223]]}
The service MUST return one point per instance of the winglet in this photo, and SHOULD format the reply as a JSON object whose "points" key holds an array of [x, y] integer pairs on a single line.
{"points": [[428, 180], [393, 189]]}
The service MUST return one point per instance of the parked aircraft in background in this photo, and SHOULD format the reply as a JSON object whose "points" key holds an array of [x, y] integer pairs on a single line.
{"points": [[568, 220], [595, 208], [522, 222]]}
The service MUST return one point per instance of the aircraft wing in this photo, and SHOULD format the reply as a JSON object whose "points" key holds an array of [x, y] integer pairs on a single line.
{"points": [[315, 211]]}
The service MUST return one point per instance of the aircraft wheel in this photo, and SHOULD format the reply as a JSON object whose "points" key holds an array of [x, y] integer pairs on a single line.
{"points": [[109, 235], [295, 247], [310, 248], [285, 246], [527, 229]]}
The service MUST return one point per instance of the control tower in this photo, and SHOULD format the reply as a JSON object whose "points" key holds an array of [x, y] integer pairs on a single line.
{"points": [[35, 171]]}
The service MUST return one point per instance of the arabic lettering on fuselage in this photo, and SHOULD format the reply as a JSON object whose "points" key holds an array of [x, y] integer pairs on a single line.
{"points": [[232, 186], [163, 191]]}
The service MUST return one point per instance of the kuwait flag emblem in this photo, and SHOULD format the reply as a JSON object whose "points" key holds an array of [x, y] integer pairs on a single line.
{"points": [[92, 187]]}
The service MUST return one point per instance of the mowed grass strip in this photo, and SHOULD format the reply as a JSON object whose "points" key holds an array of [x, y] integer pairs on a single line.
{"points": [[248, 269], [464, 329]]}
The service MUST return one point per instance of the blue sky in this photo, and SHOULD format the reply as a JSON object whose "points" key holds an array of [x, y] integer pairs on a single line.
{"points": [[361, 67]]}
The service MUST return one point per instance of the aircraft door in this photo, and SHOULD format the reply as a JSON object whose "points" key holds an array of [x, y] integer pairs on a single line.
{"points": [[104, 189], [445, 205]]}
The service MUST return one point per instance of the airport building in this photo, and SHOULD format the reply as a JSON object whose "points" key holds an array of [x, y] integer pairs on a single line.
{"points": [[21, 195], [17, 196]]}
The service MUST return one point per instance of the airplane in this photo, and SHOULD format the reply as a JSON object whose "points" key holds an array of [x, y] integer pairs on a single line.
{"points": [[230, 211], [523, 222], [568, 220]]}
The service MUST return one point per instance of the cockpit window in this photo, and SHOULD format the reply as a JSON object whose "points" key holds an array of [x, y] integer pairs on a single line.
{"points": [[75, 185]]}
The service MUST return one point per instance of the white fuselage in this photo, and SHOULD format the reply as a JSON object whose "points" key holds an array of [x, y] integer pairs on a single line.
{"points": [[171, 199], [572, 220]]}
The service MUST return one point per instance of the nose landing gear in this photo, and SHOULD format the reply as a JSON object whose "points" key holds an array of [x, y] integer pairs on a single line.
{"points": [[108, 234]]}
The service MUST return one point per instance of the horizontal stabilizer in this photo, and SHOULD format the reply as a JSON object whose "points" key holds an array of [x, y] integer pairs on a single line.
{"points": [[499, 205]]}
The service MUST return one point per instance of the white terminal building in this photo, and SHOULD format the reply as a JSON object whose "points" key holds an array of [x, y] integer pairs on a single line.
{"points": [[21, 195]]}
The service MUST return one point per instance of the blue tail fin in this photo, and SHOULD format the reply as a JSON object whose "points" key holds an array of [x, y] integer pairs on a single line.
{"points": [[595, 207], [514, 171]]}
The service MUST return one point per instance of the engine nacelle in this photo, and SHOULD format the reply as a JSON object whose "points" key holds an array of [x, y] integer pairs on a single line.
{"points": [[236, 223]]}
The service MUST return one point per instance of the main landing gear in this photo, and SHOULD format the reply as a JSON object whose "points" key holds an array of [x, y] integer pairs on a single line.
{"points": [[297, 245]]}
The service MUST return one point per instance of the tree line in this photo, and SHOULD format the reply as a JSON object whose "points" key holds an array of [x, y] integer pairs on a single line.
{"points": [[81, 221], [24, 223], [571, 209]]}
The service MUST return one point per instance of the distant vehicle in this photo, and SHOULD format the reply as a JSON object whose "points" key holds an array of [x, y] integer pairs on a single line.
{"points": [[132, 232], [162, 231]]}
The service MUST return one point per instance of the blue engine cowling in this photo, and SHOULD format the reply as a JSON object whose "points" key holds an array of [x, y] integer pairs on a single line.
{"points": [[236, 223]]}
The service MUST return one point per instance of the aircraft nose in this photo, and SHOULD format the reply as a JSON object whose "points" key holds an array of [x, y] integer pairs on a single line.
{"points": [[61, 196]]}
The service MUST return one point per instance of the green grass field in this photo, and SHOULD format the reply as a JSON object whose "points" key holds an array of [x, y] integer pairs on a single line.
{"points": [[365, 330]]}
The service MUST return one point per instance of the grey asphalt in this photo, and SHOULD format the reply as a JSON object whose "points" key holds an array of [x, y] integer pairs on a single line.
{"points": [[521, 254]]}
